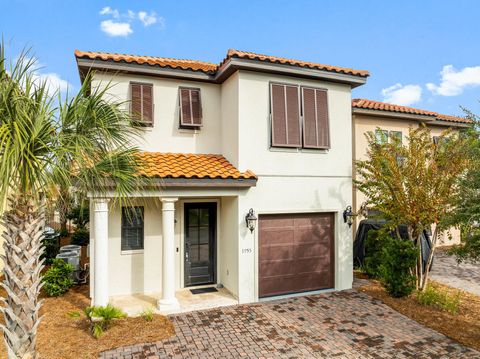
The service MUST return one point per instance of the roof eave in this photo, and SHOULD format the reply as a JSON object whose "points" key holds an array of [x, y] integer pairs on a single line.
{"points": [[225, 71], [233, 64]]}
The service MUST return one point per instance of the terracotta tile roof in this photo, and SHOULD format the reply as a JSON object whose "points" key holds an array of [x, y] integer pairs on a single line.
{"points": [[159, 61], [208, 67], [382, 106], [183, 165], [280, 60]]}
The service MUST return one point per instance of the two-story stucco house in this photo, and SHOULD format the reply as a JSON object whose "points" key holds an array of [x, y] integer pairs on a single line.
{"points": [[255, 132], [387, 120]]}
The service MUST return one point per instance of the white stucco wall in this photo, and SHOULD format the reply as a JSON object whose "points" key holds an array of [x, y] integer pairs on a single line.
{"points": [[165, 135], [292, 181]]}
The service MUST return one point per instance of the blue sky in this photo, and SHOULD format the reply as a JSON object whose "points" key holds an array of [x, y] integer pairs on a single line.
{"points": [[420, 53]]}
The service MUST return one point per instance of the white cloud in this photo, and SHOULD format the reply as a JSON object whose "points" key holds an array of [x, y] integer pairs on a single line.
{"points": [[107, 10], [112, 28], [131, 14], [147, 19], [54, 82], [454, 81], [402, 95]]}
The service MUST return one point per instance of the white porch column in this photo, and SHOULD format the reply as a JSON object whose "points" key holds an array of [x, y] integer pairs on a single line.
{"points": [[100, 289], [168, 301]]}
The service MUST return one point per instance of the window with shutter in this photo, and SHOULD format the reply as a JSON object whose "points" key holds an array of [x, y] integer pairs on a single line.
{"points": [[142, 103], [316, 132], [285, 115], [132, 228], [190, 107]]}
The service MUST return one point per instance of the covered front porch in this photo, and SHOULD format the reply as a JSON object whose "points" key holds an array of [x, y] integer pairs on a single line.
{"points": [[135, 304], [151, 250]]}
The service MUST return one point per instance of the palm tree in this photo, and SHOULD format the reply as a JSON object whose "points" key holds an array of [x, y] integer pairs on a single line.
{"points": [[46, 146]]}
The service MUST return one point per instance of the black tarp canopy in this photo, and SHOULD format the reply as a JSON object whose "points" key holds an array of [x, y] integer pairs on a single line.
{"points": [[368, 225]]}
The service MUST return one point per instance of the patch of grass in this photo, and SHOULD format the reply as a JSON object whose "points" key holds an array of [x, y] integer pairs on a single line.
{"points": [[440, 299], [74, 314], [147, 314]]}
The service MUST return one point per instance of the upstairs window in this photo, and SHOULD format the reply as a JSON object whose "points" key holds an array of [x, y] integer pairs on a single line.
{"points": [[285, 116], [190, 108], [141, 103], [381, 136], [397, 135], [316, 133], [132, 228]]}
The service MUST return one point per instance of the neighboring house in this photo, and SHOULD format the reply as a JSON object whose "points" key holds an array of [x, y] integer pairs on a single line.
{"points": [[387, 120], [254, 132]]}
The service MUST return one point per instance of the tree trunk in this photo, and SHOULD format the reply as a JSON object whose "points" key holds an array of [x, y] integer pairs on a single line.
{"points": [[430, 259], [24, 225]]}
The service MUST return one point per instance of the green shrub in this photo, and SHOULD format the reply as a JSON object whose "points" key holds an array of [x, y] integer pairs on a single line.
{"points": [[102, 317], [79, 215], [440, 299], [147, 314], [57, 280], [399, 258], [374, 244], [64, 233], [81, 237], [51, 245]]}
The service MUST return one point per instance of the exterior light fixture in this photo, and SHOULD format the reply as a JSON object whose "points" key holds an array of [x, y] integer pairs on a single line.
{"points": [[251, 220], [348, 216]]}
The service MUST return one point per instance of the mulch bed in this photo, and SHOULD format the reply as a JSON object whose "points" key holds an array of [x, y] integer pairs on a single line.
{"points": [[464, 327], [62, 337]]}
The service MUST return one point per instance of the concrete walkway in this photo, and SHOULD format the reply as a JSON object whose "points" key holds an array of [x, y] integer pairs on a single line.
{"points": [[465, 276], [344, 324]]}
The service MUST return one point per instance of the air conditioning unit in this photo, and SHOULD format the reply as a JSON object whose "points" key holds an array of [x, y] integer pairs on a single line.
{"points": [[71, 257]]}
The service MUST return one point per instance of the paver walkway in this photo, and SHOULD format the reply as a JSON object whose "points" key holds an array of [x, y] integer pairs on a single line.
{"points": [[465, 276], [344, 324]]}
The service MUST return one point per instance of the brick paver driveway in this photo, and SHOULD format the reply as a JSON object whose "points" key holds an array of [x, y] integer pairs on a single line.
{"points": [[465, 276], [344, 324]]}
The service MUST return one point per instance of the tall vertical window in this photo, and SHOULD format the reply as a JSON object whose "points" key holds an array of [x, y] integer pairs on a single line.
{"points": [[141, 103], [190, 107], [316, 132], [285, 115], [132, 228]]}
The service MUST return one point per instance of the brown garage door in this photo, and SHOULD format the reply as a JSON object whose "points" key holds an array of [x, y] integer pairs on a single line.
{"points": [[295, 253]]}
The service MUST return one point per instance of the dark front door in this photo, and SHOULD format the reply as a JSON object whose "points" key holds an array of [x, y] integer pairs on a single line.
{"points": [[200, 233]]}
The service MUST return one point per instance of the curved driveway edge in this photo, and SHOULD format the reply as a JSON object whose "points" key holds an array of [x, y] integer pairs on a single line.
{"points": [[344, 324]]}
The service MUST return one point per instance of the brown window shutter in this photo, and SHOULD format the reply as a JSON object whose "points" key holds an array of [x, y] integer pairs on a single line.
{"points": [[316, 132], [285, 115], [190, 107], [136, 104], [142, 103], [147, 114]]}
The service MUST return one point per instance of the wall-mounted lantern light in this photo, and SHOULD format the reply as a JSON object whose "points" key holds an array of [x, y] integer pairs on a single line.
{"points": [[348, 216], [251, 220]]}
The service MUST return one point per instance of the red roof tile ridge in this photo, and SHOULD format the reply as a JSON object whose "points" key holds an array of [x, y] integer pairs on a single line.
{"points": [[80, 53]]}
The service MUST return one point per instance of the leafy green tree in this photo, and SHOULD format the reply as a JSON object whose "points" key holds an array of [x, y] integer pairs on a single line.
{"points": [[84, 141], [414, 184], [466, 208]]}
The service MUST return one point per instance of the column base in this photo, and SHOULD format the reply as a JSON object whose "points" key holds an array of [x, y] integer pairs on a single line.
{"points": [[165, 305]]}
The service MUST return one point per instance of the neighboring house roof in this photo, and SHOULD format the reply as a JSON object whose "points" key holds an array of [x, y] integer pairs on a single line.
{"points": [[234, 60], [191, 166], [404, 110]]}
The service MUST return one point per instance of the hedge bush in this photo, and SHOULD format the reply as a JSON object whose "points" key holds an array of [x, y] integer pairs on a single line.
{"points": [[58, 278], [374, 245], [399, 258], [81, 237]]}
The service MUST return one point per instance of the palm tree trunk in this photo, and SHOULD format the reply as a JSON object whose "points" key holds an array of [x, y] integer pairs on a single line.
{"points": [[24, 224]]}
